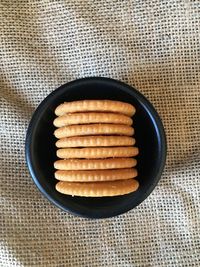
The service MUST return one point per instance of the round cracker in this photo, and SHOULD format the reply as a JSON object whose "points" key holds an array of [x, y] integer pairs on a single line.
{"points": [[97, 152], [95, 141], [95, 175], [91, 117], [95, 105], [94, 129], [98, 189], [95, 164]]}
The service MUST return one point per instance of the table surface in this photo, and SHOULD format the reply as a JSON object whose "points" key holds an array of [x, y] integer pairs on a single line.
{"points": [[153, 45]]}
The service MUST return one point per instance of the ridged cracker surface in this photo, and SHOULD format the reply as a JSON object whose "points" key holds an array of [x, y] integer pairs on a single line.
{"points": [[97, 152], [95, 175], [98, 189], [91, 117], [94, 129], [95, 105], [95, 164], [95, 141]]}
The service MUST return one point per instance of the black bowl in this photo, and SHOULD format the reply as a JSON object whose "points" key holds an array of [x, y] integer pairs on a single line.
{"points": [[149, 134]]}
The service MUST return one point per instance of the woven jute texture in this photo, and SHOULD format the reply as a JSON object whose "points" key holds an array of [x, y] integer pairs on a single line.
{"points": [[153, 45]]}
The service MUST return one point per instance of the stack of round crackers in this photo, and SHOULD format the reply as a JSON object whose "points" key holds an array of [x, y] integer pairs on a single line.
{"points": [[96, 148]]}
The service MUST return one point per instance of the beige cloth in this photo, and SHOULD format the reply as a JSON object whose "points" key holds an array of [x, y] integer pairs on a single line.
{"points": [[153, 45]]}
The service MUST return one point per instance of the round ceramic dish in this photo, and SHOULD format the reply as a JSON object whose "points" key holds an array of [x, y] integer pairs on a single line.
{"points": [[149, 135]]}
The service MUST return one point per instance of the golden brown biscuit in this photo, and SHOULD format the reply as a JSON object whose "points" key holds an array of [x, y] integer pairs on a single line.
{"points": [[95, 164], [95, 175], [95, 105], [95, 141], [98, 189], [91, 117], [94, 129], [97, 152]]}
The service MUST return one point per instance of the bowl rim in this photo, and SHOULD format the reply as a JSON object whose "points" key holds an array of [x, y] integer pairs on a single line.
{"points": [[143, 101]]}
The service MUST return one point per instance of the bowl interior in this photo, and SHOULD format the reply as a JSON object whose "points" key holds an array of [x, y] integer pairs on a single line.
{"points": [[41, 150]]}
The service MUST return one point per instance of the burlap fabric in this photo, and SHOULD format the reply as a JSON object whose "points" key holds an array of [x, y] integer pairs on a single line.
{"points": [[153, 45]]}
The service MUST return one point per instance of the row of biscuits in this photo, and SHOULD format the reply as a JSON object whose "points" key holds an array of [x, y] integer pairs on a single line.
{"points": [[96, 148]]}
